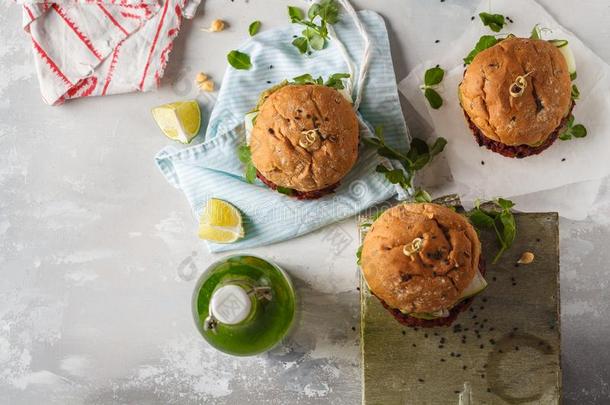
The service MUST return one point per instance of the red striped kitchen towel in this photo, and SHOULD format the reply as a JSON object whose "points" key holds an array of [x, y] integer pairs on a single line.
{"points": [[97, 47]]}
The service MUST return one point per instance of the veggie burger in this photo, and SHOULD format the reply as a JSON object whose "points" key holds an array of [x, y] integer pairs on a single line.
{"points": [[516, 95], [304, 139], [423, 262]]}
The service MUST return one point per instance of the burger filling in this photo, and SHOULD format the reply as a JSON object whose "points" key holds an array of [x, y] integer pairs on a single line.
{"points": [[517, 151], [476, 286]]}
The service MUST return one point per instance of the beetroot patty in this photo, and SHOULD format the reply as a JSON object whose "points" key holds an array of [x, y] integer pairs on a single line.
{"points": [[515, 151], [300, 195], [430, 323]]}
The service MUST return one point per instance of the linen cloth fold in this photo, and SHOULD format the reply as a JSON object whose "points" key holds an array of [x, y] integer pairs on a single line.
{"points": [[548, 181], [98, 47], [212, 169]]}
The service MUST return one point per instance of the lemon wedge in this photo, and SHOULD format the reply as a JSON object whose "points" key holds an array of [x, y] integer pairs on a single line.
{"points": [[220, 222], [179, 121]]}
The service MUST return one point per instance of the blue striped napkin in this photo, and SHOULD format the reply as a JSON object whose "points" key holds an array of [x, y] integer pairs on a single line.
{"points": [[212, 169]]}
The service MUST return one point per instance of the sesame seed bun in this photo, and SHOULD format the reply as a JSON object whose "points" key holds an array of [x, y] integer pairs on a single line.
{"points": [[282, 154], [529, 119], [433, 278]]}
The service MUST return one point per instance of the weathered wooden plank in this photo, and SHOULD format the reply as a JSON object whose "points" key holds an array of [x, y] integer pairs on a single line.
{"points": [[508, 350]]}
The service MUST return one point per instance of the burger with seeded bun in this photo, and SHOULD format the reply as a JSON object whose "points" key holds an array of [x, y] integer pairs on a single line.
{"points": [[516, 96], [424, 263], [304, 139]]}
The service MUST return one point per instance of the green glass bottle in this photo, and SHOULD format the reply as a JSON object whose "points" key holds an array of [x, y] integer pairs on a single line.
{"points": [[244, 305]]}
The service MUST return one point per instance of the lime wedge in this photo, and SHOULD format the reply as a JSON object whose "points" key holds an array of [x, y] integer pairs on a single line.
{"points": [[179, 121], [220, 222]]}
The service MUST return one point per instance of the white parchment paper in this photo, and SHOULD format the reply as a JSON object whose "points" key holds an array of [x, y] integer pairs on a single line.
{"points": [[565, 169]]}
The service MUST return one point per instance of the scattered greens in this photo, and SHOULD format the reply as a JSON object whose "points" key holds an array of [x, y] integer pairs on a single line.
{"points": [[419, 155], [500, 219], [335, 80], [254, 27], [319, 16], [495, 22], [486, 41], [573, 131], [243, 152], [239, 60], [432, 78], [575, 92]]}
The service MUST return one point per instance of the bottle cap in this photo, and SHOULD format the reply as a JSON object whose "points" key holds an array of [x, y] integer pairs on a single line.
{"points": [[230, 304]]}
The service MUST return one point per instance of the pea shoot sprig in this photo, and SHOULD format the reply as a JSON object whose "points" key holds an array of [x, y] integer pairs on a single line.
{"points": [[573, 131], [419, 155], [499, 218], [319, 16], [432, 78]]}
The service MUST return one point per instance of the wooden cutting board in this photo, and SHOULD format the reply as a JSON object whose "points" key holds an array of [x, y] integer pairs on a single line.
{"points": [[506, 349]]}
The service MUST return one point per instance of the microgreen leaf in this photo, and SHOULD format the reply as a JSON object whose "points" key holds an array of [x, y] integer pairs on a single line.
{"points": [[579, 131], [301, 44], [575, 92], [501, 220], [535, 32], [433, 98], [328, 11], [336, 80], [317, 42], [486, 41], [284, 190], [239, 60], [245, 157], [438, 146], [573, 76], [359, 255], [295, 14], [433, 76], [494, 21], [422, 196], [254, 27]]}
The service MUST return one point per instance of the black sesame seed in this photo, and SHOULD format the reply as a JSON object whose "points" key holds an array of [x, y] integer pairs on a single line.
{"points": [[472, 18], [481, 346], [483, 162], [514, 284], [494, 278], [440, 346], [492, 329], [538, 239], [268, 81], [415, 329], [464, 367], [353, 328], [500, 351], [404, 333], [443, 340], [488, 389], [443, 360], [414, 345], [484, 299], [425, 335], [437, 65], [482, 375], [420, 380], [294, 36], [270, 66], [456, 392], [563, 159], [458, 355], [435, 334], [358, 288], [493, 342], [437, 41]]}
